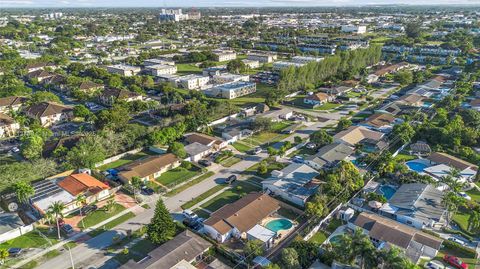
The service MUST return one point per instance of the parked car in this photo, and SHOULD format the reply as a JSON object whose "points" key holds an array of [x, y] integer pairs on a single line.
{"points": [[14, 252], [67, 228], [205, 163], [311, 145], [434, 265], [189, 214], [456, 240], [298, 159], [147, 190], [194, 224], [257, 150], [455, 262], [465, 196], [15, 150], [231, 179], [89, 208]]}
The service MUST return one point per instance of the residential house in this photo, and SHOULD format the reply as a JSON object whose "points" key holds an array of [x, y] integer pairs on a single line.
{"points": [[386, 232], [443, 163], [416, 204], [235, 220], [384, 70], [38, 66], [356, 134], [475, 104], [294, 183], [111, 95], [49, 113], [11, 103], [317, 99], [179, 252], [329, 156], [207, 140], [84, 184], [40, 75], [196, 151], [148, 168], [48, 192], [236, 133], [90, 87], [8, 126], [392, 108], [336, 91], [415, 100], [380, 122], [420, 148]]}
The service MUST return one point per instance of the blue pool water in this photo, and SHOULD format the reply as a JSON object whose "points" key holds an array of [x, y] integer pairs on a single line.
{"points": [[279, 224], [416, 166], [387, 191], [335, 239]]}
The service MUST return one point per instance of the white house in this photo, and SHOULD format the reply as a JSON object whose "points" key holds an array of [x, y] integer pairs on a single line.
{"points": [[161, 69], [192, 82], [49, 113], [123, 70]]}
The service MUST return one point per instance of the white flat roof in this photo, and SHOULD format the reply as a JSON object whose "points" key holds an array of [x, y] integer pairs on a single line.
{"points": [[62, 196], [261, 233]]}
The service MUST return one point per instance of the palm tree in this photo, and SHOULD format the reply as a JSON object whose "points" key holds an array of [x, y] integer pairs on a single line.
{"points": [[452, 202], [364, 249], [111, 204], [136, 183], [56, 209], [474, 220], [80, 201], [3, 255]]}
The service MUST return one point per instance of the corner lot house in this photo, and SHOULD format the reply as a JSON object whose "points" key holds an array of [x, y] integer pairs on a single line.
{"points": [[148, 168], [386, 232], [179, 252], [329, 156], [293, 183], [238, 218], [85, 184], [416, 204], [49, 113]]}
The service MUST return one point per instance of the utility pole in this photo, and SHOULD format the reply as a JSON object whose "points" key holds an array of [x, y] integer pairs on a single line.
{"points": [[71, 258]]}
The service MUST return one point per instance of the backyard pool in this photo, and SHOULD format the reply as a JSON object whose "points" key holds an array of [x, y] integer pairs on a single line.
{"points": [[416, 166], [279, 224], [335, 239], [387, 191]]}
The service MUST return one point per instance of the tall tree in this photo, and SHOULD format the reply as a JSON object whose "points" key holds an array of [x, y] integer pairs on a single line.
{"points": [[23, 191], [289, 258], [161, 227], [56, 209]]}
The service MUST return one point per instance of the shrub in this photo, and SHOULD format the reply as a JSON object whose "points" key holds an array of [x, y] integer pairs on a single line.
{"points": [[186, 165]]}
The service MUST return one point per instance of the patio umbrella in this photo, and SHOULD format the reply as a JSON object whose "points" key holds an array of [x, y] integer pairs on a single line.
{"points": [[375, 204]]}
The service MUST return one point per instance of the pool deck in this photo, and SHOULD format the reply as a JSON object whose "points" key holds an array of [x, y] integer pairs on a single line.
{"points": [[339, 231], [281, 233]]}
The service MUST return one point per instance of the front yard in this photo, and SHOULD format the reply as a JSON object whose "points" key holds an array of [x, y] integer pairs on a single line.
{"points": [[33, 239], [229, 196], [100, 215], [272, 165], [319, 237], [178, 175], [327, 106]]}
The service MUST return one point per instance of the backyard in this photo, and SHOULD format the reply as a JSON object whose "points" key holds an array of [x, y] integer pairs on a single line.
{"points": [[178, 175], [319, 237]]}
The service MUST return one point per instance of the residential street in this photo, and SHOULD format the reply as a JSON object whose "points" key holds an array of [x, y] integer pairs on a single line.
{"points": [[90, 254]]}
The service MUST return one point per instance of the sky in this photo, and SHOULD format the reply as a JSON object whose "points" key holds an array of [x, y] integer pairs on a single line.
{"points": [[218, 3]]}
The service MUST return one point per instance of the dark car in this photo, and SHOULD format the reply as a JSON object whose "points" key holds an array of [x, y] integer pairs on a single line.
{"points": [[231, 179], [14, 252], [194, 224], [147, 190], [67, 228], [205, 163], [88, 208]]}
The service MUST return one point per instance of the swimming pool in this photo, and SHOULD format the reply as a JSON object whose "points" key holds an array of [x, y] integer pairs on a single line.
{"points": [[387, 191], [335, 239], [416, 166], [279, 224]]}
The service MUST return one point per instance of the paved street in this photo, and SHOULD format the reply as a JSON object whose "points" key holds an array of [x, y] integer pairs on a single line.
{"points": [[90, 254]]}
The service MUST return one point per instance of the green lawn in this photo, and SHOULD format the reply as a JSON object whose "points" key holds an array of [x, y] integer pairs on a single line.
{"points": [[188, 68], [32, 239], [265, 137], [203, 196], [201, 213], [125, 160], [405, 157], [177, 176], [327, 106], [303, 151], [475, 194], [333, 225], [136, 252], [229, 162], [190, 184], [229, 196], [99, 216], [468, 259], [318, 238], [112, 224], [279, 126], [240, 146], [270, 167]]}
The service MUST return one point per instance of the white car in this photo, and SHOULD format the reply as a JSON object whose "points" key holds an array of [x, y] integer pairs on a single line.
{"points": [[187, 213], [456, 240], [465, 196], [434, 265]]}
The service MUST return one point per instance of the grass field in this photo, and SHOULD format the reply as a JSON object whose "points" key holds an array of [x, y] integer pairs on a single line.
{"points": [[136, 252], [112, 224], [187, 68], [405, 157], [125, 160], [270, 167], [229, 196], [327, 106], [203, 196], [99, 216], [229, 162], [177, 175], [190, 184], [32, 239], [319, 237], [240, 146]]}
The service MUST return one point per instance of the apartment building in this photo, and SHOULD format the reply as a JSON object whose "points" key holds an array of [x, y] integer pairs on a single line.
{"points": [[123, 70], [192, 82], [355, 29], [227, 77], [224, 55], [306, 59], [161, 69], [262, 58], [277, 66], [232, 90]]}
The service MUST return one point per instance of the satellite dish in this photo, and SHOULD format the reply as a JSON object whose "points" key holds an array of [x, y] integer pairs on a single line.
{"points": [[12, 207]]}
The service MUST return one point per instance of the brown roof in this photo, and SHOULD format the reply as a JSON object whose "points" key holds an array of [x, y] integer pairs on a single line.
{"points": [[47, 109], [76, 184], [40, 74], [244, 213], [380, 119], [36, 65], [118, 93], [356, 134], [12, 101], [444, 158], [388, 69], [87, 85], [319, 96], [5, 119], [475, 102], [393, 232], [200, 138], [147, 166], [411, 98]]}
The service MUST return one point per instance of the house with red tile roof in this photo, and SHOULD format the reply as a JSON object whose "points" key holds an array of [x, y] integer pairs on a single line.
{"points": [[85, 184]]}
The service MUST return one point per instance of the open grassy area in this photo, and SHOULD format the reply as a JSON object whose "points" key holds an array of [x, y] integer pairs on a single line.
{"points": [[240, 146], [203, 196], [265, 137], [125, 160], [303, 151], [190, 184], [136, 252], [319, 237], [405, 157], [475, 194], [229, 196], [229, 162], [32, 239], [279, 126], [111, 224], [100, 215], [187, 68], [177, 175], [327, 106], [270, 167]]}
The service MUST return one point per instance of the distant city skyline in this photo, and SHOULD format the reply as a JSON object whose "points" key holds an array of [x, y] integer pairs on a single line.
{"points": [[217, 3]]}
